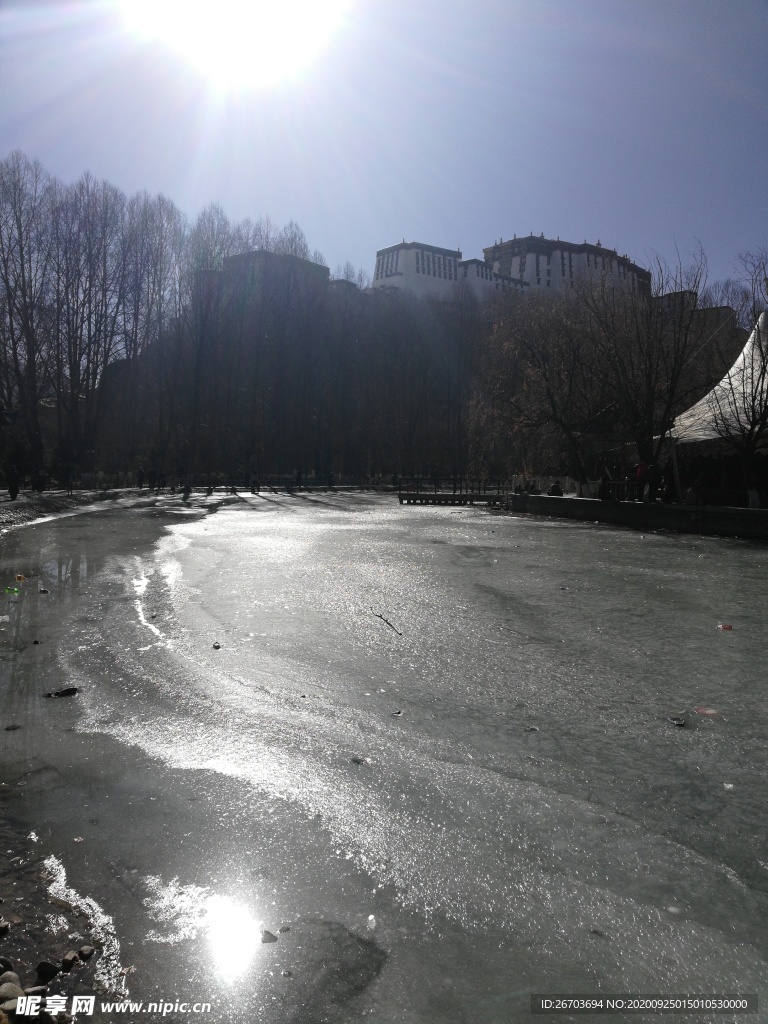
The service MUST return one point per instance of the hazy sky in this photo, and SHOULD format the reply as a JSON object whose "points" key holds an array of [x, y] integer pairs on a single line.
{"points": [[642, 123]]}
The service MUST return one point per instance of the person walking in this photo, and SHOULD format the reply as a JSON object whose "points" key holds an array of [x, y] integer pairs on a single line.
{"points": [[12, 477], [641, 479]]}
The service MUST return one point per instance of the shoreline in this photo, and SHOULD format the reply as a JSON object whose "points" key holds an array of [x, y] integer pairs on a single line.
{"points": [[30, 506], [40, 926], [43, 929], [701, 520], [33, 506]]}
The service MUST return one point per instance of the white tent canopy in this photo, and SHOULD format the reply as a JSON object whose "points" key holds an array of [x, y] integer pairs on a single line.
{"points": [[731, 405]]}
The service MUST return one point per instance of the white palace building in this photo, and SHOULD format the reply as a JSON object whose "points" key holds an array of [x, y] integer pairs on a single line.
{"points": [[520, 264]]}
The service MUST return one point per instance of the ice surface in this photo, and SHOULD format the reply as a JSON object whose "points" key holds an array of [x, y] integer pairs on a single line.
{"points": [[531, 797]]}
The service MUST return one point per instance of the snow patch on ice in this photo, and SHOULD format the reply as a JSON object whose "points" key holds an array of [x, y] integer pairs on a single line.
{"points": [[109, 977]]}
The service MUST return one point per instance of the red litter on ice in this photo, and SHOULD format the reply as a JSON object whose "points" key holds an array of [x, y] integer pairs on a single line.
{"points": [[705, 711], [721, 626]]}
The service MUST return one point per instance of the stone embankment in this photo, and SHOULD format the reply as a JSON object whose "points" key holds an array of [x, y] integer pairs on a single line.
{"points": [[711, 520], [45, 946]]}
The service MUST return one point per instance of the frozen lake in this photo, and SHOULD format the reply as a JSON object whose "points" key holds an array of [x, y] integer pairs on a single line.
{"points": [[433, 743]]}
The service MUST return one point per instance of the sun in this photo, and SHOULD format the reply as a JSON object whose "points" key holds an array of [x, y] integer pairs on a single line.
{"points": [[238, 44]]}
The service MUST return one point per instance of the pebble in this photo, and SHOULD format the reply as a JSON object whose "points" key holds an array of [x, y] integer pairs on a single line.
{"points": [[6, 964], [68, 691], [5, 926], [676, 720], [46, 971], [268, 936], [10, 991], [10, 976], [69, 960], [217, 646], [86, 952]]}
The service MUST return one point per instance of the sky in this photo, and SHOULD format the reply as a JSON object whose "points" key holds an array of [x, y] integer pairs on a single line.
{"points": [[639, 123]]}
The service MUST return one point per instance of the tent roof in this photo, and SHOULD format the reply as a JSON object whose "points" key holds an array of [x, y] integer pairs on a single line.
{"points": [[724, 411]]}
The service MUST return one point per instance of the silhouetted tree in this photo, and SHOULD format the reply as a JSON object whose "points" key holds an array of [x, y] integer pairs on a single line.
{"points": [[27, 315]]}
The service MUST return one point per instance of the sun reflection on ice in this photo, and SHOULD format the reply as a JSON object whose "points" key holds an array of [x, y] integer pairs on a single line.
{"points": [[232, 933], [233, 936]]}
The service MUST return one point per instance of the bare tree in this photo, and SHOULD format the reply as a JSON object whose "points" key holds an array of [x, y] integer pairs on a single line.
{"points": [[89, 287], [292, 241], [347, 272], [755, 273], [646, 343], [730, 294], [463, 326], [199, 366], [153, 242], [541, 390], [25, 267]]}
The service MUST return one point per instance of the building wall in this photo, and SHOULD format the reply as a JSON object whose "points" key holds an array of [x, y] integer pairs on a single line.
{"points": [[249, 265], [429, 270], [421, 269], [519, 264], [551, 264], [483, 279]]}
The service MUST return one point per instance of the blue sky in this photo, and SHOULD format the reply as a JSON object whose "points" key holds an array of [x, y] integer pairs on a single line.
{"points": [[641, 123]]}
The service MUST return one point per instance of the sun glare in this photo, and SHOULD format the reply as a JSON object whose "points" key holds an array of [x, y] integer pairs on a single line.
{"points": [[233, 936], [238, 44]]}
